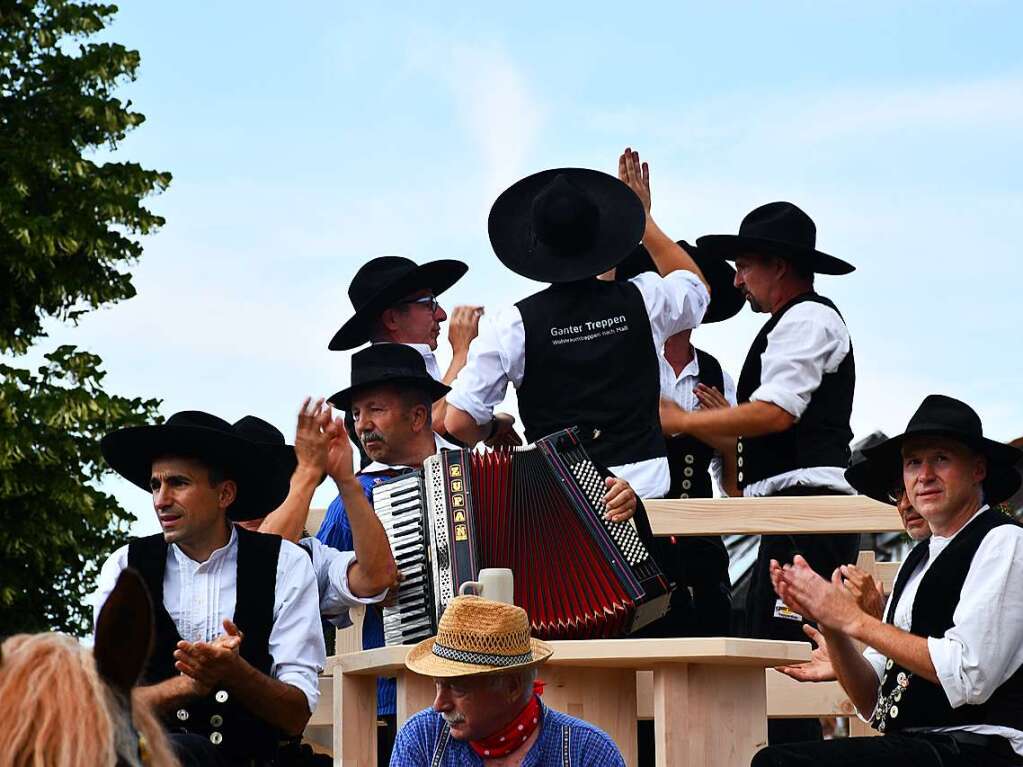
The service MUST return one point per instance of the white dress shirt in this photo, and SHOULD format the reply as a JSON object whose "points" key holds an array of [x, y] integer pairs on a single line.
{"points": [[681, 389], [330, 567], [984, 647], [199, 595], [430, 359], [809, 340], [497, 357]]}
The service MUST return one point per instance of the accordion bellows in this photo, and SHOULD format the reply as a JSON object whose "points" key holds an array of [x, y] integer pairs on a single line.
{"points": [[537, 510]]}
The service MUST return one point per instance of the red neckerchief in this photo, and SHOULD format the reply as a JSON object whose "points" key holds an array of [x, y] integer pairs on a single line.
{"points": [[515, 733]]}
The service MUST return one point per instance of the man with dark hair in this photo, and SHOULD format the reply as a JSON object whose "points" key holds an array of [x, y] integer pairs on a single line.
{"points": [[942, 675], [238, 640], [795, 397]]}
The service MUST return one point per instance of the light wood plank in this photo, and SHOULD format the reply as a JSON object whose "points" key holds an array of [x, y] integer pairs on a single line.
{"points": [[708, 715], [606, 700], [778, 514], [886, 572], [414, 694], [314, 520], [355, 704]]}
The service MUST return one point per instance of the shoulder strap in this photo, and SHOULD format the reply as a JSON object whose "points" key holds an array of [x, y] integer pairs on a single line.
{"points": [[566, 746], [908, 568], [442, 745], [711, 373]]}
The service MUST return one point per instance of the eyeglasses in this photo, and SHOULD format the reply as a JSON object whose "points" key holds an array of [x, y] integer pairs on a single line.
{"points": [[428, 301], [896, 494]]}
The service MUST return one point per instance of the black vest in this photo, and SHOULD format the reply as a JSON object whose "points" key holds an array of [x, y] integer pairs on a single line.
{"points": [[820, 438], [590, 362], [906, 700], [689, 458], [219, 717]]}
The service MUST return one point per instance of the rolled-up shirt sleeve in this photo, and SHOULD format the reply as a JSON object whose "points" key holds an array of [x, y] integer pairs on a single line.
{"points": [[331, 569], [984, 647], [296, 639], [673, 303], [810, 340], [496, 358]]}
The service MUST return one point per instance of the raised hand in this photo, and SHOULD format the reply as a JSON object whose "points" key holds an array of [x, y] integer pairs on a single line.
{"points": [[463, 326], [310, 437], [210, 663], [339, 464], [868, 593], [619, 500], [819, 667], [636, 175]]}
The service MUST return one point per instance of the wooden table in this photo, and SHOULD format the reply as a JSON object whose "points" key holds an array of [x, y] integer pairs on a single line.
{"points": [[709, 695]]}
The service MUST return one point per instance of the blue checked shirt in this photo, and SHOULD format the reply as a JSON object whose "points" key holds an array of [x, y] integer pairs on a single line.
{"points": [[564, 741]]}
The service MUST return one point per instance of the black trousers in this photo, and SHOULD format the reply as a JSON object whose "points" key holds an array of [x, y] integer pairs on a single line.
{"points": [[194, 750], [824, 553], [918, 750]]}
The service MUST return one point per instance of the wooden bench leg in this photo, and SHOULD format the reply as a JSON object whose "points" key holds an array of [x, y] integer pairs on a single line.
{"points": [[709, 715], [415, 693], [606, 698], [355, 723]]}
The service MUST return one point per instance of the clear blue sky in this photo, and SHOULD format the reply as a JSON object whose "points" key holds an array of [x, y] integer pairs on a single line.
{"points": [[307, 138]]}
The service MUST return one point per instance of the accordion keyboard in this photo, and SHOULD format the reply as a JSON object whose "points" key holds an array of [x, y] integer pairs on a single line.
{"points": [[624, 534], [398, 504]]}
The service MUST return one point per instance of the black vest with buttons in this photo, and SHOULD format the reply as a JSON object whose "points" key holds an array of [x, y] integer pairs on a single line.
{"points": [[590, 362], [240, 735], [906, 700], [689, 458], [820, 437]]}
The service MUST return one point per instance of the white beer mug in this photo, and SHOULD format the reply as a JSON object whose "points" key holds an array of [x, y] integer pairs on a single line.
{"points": [[494, 583]]}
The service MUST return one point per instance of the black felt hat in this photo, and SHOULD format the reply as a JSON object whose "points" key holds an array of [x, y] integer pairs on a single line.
{"points": [[275, 483], [388, 364], [725, 299], [565, 224], [778, 229], [868, 476], [384, 281], [941, 416], [192, 434]]}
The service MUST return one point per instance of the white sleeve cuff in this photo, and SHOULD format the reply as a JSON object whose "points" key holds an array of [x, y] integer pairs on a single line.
{"points": [[946, 657], [791, 403], [470, 404]]}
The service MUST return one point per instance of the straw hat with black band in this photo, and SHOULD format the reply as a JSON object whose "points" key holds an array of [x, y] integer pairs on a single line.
{"points": [[383, 282], [939, 416], [195, 434], [725, 299], [381, 364], [776, 229], [478, 636]]}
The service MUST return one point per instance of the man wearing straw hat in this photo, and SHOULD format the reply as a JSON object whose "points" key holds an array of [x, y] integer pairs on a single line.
{"points": [[488, 709]]}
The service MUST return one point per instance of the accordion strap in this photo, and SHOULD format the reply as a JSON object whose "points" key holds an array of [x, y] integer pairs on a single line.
{"points": [[442, 745]]}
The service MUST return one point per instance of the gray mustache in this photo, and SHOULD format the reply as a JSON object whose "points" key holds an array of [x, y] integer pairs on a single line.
{"points": [[369, 436]]}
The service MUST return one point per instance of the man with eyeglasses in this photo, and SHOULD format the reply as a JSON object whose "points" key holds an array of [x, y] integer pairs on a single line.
{"points": [[395, 301]]}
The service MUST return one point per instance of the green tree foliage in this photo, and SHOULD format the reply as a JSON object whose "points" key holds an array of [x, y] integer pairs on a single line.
{"points": [[67, 227]]}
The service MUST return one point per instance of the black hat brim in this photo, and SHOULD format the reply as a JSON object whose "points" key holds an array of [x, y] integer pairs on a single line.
{"points": [[731, 246], [131, 452], [1002, 480], [867, 478], [343, 399], [511, 230], [435, 276], [726, 300]]}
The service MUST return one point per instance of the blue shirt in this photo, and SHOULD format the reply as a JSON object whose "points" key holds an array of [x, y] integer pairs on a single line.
{"points": [[560, 736], [336, 531]]}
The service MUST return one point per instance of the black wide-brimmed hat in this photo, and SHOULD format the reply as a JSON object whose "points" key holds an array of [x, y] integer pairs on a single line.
{"points": [[192, 434], [275, 483], [384, 281], [777, 229], [941, 416], [388, 364], [868, 476], [725, 299], [565, 224]]}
